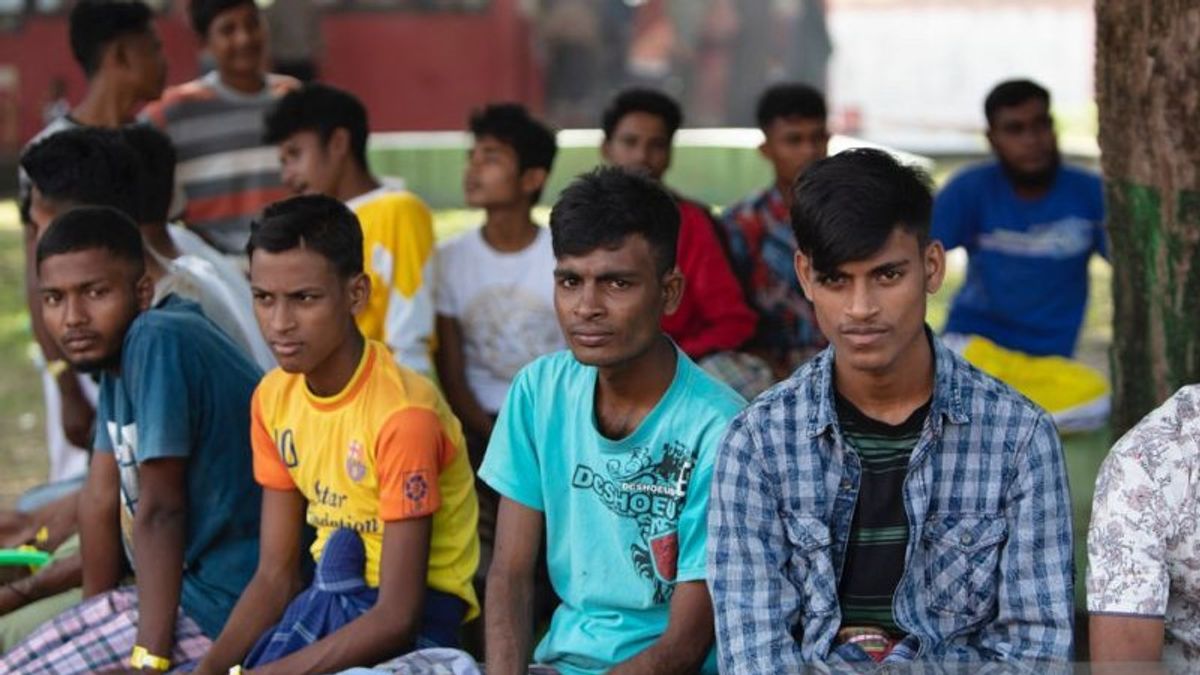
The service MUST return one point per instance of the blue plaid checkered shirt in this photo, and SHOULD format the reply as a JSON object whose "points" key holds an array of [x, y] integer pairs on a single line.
{"points": [[988, 570]]}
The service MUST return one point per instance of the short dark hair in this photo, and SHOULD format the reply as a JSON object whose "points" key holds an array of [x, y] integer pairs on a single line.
{"points": [[204, 12], [650, 101], [845, 207], [1010, 93], [511, 124], [316, 222], [323, 109], [790, 99], [95, 24], [156, 171], [87, 166], [600, 209], [93, 227]]}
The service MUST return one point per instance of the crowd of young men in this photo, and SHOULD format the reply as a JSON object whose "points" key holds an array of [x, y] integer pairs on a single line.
{"points": [[318, 441]]}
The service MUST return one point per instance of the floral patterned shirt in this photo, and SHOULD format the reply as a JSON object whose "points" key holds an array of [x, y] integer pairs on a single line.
{"points": [[1144, 540]]}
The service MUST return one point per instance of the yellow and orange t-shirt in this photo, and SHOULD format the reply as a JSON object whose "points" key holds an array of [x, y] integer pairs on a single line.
{"points": [[385, 448]]}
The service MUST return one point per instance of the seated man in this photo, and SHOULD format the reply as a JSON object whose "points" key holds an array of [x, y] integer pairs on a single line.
{"points": [[226, 172], [495, 285], [759, 229], [364, 450], [1143, 584], [322, 137], [888, 501], [170, 475], [1029, 225], [712, 320], [619, 477]]}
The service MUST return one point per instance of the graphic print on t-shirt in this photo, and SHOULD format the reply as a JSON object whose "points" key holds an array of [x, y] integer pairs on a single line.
{"points": [[651, 493], [508, 327]]}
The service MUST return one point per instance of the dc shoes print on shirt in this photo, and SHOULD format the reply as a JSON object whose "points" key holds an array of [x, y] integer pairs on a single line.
{"points": [[651, 493]]}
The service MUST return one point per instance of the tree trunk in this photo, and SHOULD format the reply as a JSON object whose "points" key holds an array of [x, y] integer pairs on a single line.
{"points": [[1148, 93]]}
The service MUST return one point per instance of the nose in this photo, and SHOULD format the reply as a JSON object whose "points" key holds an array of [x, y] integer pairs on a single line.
{"points": [[863, 303], [281, 320], [75, 314], [587, 304]]}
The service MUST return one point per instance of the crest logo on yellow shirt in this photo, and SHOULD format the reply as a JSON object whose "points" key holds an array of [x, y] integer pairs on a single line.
{"points": [[355, 467], [416, 490]]}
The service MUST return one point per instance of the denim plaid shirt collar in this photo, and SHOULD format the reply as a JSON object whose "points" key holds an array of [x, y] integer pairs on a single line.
{"points": [[989, 564]]}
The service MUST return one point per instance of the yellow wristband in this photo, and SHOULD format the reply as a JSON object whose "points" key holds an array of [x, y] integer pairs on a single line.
{"points": [[142, 658], [236, 670]]}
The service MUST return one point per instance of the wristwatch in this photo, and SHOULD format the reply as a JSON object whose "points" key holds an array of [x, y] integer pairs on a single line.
{"points": [[142, 658]]}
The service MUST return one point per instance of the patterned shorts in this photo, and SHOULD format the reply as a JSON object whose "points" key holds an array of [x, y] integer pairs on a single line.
{"points": [[98, 634]]}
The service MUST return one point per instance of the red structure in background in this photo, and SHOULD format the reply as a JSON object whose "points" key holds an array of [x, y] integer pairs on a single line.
{"points": [[414, 69]]}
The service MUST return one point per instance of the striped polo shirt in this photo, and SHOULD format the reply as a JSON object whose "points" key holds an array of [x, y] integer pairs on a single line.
{"points": [[226, 173], [879, 530]]}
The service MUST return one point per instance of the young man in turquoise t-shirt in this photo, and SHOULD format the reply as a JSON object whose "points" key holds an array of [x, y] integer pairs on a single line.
{"points": [[610, 448]]}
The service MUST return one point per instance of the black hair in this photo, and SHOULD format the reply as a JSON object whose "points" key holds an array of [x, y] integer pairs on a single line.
{"points": [[600, 209], [156, 171], [315, 222], [511, 124], [87, 166], [95, 24], [790, 99], [323, 109], [1010, 93], [93, 227], [650, 101], [204, 12], [845, 207]]}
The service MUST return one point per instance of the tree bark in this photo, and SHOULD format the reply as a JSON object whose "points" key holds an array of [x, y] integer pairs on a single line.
{"points": [[1148, 93]]}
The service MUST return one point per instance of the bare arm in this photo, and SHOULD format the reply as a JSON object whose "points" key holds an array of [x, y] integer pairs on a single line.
{"points": [[57, 577], [509, 604], [687, 640], [1127, 639], [100, 526], [452, 373], [159, 532], [391, 625], [275, 583]]}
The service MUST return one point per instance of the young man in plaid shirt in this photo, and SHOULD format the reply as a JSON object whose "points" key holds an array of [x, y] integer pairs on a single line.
{"points": [[888, 501]]}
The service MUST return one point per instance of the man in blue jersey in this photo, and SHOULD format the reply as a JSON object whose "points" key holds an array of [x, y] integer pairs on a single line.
{"points": [[1030, 225]]}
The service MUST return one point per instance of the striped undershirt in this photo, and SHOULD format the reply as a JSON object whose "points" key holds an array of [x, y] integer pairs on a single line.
{"points": [[879, 531]]}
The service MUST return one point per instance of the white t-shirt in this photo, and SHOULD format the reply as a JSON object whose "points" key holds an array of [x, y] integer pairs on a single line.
{"points": [[220, 298], [504, 303]]}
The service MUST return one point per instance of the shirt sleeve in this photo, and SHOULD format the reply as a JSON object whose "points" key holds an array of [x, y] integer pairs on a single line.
{"points": [[954, 221], [1036, 599], [727, 321], [410, 452], [101, 441], [445, 301], [162, 381], [270, 468], [1138, 492], [511, 465], [754, 601]]}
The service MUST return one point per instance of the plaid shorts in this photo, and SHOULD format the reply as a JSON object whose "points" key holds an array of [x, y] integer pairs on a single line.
{"points": [[98, 634]]}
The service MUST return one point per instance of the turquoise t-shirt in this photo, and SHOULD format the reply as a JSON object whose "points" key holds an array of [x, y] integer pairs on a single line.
{"points": [[626, 519], [184, 392]]}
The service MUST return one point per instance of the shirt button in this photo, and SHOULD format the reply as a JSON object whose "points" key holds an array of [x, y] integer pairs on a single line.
{"points": [[967, 539], [845, 486]]}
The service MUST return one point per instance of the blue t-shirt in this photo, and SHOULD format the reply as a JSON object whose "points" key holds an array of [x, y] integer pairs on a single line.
{"points": [[1027, 276], [184, 392], [626, 519]]}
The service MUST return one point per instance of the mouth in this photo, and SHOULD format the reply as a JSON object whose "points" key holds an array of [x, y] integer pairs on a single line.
{"points": [[590, 338], [863, 337], [286, 349], [80, 342]]}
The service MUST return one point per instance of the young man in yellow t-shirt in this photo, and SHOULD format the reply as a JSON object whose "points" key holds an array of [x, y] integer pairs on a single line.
{"points": [[348, 440], [322, 137]]}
